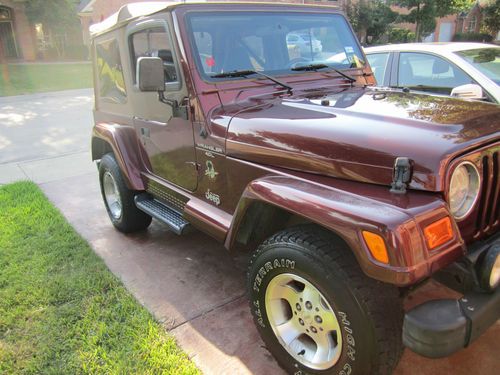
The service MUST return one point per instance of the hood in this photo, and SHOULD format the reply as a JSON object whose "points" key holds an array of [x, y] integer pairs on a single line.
{"points": [[357, 133]]}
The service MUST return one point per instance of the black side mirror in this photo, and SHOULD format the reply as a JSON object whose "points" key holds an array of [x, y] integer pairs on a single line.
{"points": [[150, 75]]}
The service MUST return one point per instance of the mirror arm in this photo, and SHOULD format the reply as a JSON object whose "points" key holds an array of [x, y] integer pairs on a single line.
{"points": [[173, 103]]}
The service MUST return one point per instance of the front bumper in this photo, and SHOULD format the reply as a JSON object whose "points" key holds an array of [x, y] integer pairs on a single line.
{"points": [[441, 327]]}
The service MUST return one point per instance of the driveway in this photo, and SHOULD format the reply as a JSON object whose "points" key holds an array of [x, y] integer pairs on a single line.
{"points": [[42, 134], [190, 284]]}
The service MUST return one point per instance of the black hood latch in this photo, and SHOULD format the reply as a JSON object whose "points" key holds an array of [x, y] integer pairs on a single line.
{"points": [[401, 175]]}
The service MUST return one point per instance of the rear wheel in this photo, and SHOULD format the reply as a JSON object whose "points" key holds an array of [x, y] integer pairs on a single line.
{"points": [[119, 199], [317, 312]]}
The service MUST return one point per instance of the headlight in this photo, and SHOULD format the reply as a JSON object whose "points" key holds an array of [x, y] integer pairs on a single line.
{"points": [[464, 189]]}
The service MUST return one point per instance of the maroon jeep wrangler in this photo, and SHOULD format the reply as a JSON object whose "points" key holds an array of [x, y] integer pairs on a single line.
{"points": [[256, 124]]}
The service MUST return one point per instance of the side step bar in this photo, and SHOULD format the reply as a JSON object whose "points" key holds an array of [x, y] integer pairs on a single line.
{"points": [[158, 210]]}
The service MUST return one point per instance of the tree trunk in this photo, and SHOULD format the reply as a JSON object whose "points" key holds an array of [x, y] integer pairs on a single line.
{"points": [[417, 24]]}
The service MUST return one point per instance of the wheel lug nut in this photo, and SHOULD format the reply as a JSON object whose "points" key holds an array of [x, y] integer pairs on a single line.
{"points": [[314, 329], [318, 319], [301, 321], [309, 305], [298, 307]]}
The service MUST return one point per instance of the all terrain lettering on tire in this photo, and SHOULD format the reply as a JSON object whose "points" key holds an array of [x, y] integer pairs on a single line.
{"points": [[258, 314], [269, 266], [351, 343]]}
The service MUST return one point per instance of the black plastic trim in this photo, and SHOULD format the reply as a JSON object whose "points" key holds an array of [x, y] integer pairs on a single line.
{"points": [[439, 328]]}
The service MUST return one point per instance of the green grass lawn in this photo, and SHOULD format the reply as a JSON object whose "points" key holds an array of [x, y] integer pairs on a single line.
{"points": [[61, 310], [18, 79]]}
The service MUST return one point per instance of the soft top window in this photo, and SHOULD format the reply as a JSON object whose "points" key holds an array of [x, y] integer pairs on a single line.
{"points": [[110, 72], [154, 42]]}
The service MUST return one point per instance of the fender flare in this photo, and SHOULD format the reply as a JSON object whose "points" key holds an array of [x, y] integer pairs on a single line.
{"points": [[343, 213], [122, 141]]}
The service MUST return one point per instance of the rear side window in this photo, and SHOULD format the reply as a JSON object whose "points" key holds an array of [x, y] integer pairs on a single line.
{"points": [[110, 72], [378, 63], [154, 42]]}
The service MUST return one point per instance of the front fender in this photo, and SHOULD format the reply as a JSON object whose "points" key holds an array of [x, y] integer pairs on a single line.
{"points": [[122, 141], [399, 220]]}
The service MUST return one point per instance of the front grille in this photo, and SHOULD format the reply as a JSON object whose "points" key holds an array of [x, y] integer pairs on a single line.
{"points": [[488, 210]]}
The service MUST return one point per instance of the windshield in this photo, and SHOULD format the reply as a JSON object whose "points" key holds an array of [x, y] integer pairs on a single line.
{"points": [[486, 60], [270, 42]]}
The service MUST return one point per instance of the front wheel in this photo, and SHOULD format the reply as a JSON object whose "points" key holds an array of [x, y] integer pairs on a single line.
{"points": [[317, 312]]}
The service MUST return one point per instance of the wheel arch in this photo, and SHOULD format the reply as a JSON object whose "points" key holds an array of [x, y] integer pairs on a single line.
{"points": [[262, 219], [122, 142]]}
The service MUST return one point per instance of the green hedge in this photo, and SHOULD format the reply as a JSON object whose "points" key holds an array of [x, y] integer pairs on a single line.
{"points": [[472, 37]]}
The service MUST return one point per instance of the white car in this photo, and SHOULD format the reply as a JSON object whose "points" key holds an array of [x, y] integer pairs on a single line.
{"points": [[306, 43], [466, 70]]}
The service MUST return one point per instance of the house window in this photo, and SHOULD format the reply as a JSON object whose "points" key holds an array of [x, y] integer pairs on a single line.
{"points": [[5, 14], [472, 24]]}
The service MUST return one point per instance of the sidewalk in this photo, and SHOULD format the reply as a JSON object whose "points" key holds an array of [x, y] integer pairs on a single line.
{"points": [[48, 169], [45, 136]]}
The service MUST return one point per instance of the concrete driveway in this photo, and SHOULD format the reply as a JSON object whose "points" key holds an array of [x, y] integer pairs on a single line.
{"points": [[190, 284]]}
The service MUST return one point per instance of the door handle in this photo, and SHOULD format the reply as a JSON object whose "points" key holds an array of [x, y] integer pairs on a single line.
{"points": [[146, 132]]}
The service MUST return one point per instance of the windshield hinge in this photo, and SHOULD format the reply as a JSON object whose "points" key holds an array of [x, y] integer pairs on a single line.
{"points": [[401, 175]]}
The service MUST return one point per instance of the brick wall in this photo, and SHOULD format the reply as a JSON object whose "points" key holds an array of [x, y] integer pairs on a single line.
{"points": [[24, 33]]}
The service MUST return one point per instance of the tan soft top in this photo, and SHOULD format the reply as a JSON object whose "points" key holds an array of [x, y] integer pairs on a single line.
{"points": [[129, 12]]}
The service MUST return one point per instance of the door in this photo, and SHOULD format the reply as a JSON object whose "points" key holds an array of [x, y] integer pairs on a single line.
{"points": [[166, 134], [445, 32]]}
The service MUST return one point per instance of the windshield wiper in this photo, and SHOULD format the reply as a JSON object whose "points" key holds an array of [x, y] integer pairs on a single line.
{"points": [[245, 73], [316, 67]]}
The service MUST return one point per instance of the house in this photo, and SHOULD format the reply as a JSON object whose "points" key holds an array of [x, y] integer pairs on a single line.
{"points": [[17, 35], [446, 27], [21, 40]]}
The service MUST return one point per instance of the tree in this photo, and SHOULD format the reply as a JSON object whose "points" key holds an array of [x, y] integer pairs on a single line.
{"points": [[423, 13], [370, 19], [491, 17], [56, 16]]}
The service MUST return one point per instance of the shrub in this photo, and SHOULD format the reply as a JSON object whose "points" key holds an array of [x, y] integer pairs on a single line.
{"points": [[398, 35], [472, 37]]}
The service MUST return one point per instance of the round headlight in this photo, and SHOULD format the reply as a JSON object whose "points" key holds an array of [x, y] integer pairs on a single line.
{"points": [[464, 189]]}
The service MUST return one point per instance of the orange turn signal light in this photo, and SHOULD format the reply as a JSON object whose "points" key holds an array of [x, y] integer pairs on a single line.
{"points": [[438, 233], [376, 245]]}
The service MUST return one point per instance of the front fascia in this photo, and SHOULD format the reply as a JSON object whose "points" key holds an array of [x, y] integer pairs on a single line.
{"points": [[399, 220]]}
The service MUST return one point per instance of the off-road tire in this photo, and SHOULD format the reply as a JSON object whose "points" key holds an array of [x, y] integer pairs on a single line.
{"points": [[371, 312], [131, 219]]}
